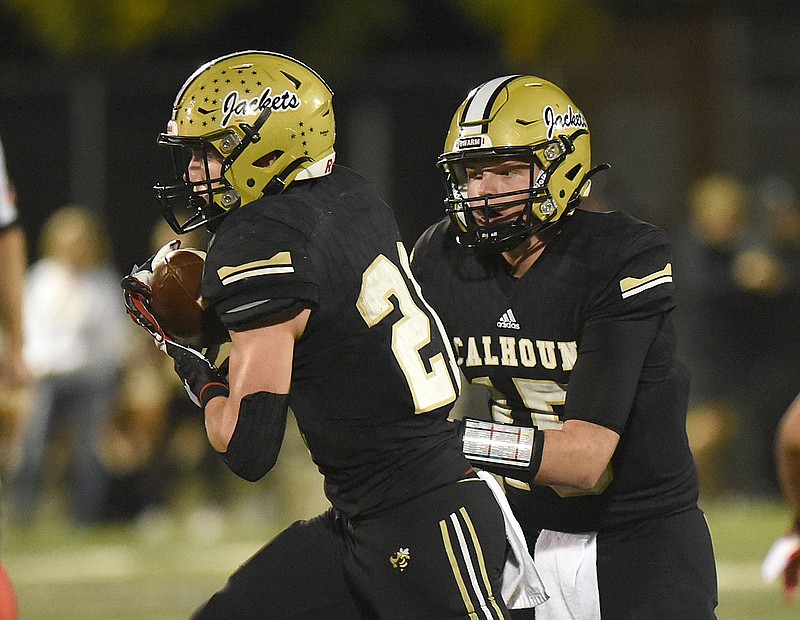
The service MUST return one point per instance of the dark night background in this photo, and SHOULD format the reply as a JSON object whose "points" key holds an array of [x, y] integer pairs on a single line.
{"points": [[672, 90]]}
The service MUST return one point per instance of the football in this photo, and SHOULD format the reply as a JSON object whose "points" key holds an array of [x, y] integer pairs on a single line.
{"points": [[177, 302]]}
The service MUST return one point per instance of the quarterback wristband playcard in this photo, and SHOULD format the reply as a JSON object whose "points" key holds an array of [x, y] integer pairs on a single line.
{"points": [[499, 444]]}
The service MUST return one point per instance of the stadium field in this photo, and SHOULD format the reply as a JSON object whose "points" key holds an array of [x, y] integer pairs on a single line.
{"points": [[162, 568]]}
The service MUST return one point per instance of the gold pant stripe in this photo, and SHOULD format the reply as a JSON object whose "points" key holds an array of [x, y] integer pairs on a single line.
{"points": [[448, 546], [461, 549], [481, 562]]}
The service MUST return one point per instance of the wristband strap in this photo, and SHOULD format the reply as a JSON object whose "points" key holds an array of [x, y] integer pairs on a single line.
{"points": [[212, 390]]}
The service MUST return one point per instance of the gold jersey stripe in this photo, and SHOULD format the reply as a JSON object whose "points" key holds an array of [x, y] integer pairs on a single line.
{"points": [[280, 259], [280, 263], [633, 286]]}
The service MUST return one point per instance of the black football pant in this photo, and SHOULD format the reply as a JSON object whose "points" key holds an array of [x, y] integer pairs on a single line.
{"points": [[435, 557], [660, 569]]}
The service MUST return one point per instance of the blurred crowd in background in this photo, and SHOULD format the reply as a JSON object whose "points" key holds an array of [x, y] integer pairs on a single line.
{"points": [[104, 432], [737, 273], [701, 145]]}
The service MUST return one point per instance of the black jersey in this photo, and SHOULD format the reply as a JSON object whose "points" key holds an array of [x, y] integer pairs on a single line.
{"points": [[373, 377], [522, 338]]}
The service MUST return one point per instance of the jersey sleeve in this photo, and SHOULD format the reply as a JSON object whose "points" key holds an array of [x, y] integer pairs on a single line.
{"points": [[423, 252], [612, 355], [625, 314], [640, 283], [255, 275]]}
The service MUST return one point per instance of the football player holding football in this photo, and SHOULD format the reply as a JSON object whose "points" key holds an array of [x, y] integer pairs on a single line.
{"points": [[307, 271], [564, 315]]}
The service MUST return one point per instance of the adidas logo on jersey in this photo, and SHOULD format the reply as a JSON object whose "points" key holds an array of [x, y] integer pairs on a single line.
{"points": [[508, 320]]}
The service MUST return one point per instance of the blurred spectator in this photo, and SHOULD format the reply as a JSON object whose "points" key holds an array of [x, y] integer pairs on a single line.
{"points": [[75, 339], [14, 373], [774, 366], [735, 312], [709, 328], [13, 370]]}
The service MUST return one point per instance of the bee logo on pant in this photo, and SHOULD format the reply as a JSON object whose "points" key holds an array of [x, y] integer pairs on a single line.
{"points": [[400, 559]]}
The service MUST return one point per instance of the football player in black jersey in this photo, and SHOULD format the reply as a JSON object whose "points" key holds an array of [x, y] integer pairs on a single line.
{"points": [[307, 271], [564, 315]]}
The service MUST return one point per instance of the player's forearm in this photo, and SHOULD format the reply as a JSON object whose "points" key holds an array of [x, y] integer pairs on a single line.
{"points": [[221, 414], [577, 455], [573, 460]]}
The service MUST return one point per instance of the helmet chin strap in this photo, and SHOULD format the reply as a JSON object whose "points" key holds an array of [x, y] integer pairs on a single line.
{"points": [[587, 178], [278, 182]]}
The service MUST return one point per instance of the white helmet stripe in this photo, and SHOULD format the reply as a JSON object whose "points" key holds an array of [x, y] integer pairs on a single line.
{"points": [[480, 102]]}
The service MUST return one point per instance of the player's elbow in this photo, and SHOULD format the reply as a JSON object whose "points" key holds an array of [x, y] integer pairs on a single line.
{"points": [[250, 471], [219, 441], [588, 478], [591, 479], [252, 465], [586, 475]]}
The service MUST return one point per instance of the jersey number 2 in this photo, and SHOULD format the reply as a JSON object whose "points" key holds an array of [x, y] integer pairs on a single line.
{"points": [[381, 282]]}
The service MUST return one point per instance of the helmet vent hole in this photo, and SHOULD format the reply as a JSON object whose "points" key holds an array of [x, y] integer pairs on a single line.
{"points": [[267, 160], [251, 182], [573, 172], [297, 83], [562, 193]]}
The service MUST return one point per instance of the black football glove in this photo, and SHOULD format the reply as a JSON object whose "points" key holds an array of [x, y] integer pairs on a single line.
{"points": [[201, 379]]}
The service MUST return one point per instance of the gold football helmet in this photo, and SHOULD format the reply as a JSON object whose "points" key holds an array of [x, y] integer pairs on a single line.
{"points": [[524, 118], [271, 119]]}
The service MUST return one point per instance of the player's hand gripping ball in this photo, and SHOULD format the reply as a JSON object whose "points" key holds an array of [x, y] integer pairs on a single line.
{"points": [[177, 302]]}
